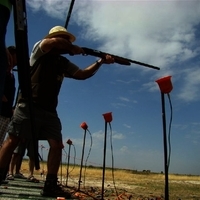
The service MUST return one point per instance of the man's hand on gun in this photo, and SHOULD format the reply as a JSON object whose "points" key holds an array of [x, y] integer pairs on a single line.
{"points": [[108, 59], [76, 50]]}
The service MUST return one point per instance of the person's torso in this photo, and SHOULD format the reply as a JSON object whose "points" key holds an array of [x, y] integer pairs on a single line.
{"points": [[9, 92], [46, 79], [47, 73]]}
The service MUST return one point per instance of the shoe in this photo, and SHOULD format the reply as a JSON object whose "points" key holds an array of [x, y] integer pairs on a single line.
{"points": [[32, 179], [19, 175], [10, 177], [51, 189], [4, 182]]}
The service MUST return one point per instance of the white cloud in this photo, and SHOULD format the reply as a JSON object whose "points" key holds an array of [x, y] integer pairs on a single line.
{"points": [[124, 150], [127, 82], [153, 31], [54, 8], [100, 135], [190, 87], [118, 136], [124, 99], [127, 126]]}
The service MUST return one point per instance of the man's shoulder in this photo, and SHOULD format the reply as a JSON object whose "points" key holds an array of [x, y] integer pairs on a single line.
{"points": [[35, 53], [36, 46]]}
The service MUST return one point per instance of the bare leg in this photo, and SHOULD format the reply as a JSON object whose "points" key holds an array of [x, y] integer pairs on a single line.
{"points": [[51, 188], [31, 166], [6, 153], [13, 162], [7, 150], [54, 156], [18, 164]]}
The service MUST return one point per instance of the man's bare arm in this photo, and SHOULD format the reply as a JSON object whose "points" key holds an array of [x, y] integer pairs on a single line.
{"points": [[59, 45], [92, 69]]}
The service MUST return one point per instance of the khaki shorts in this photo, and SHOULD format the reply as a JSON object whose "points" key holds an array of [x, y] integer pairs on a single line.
{"points": [[23, 146], [45, 125]]}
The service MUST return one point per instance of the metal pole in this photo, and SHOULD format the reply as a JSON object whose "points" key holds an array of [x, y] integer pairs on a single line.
{"points": [[165, 147], [104, 162], [23, 66], [68, 164], [79, 182], [61, 170], [69, 13]]}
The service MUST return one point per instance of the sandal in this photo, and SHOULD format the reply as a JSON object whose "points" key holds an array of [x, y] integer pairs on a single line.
{"points": [[32, 179], [10, 177]]}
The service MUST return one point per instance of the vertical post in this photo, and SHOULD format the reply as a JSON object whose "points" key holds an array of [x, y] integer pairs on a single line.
{"points": [[61, 170], [166, 87], [69, 13], [42, 172], [68, 164], [83, 149], [165, 147], [108, 119], [21, 40], [104, 161]]}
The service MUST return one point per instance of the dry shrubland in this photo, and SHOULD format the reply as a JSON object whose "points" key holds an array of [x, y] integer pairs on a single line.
{"points": [[137, 184]]}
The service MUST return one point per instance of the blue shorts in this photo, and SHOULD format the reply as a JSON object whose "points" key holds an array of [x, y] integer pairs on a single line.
{"points": [[46, 125]]}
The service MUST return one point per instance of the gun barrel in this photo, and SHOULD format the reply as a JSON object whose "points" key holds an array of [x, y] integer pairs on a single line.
{"points": [[143, 64], [118, 59]]}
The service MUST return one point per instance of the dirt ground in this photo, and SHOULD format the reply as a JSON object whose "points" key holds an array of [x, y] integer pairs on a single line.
{"points": [[130, 186], [152, 190]]}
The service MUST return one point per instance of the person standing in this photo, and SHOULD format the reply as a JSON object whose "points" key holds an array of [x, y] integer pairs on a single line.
{"points": [[5, 10], [48, 69], [6, 111]]}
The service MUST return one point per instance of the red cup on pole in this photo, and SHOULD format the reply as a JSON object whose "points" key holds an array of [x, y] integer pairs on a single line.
{"points": [[108, 117], [84, 126], [165, 84]]}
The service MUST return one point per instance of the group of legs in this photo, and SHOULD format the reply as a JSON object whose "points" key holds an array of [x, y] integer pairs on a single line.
{"points": [[14, 168], [48, 126], [16, 163]]}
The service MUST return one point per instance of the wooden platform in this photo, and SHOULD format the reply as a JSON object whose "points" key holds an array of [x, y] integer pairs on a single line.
{"points": [[21, 189]]}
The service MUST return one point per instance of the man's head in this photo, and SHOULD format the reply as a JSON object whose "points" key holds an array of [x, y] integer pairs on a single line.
{"points": [[59, 31]]}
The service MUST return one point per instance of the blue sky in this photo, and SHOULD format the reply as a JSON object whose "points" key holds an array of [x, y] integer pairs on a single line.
{"points": [[161, 33]]}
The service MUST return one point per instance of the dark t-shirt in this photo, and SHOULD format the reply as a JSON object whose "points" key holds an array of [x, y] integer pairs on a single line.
{"points": [[47, 75], [9, 93], [46, 80]]}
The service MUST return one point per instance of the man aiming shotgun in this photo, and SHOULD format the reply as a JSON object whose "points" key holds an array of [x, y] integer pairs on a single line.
{"points": [[48, 70]]}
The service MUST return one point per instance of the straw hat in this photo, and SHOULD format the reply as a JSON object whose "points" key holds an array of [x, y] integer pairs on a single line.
{"points": [[61, 32]]}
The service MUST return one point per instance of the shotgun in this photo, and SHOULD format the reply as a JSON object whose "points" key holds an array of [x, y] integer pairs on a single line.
{"points": [[118, 59]]}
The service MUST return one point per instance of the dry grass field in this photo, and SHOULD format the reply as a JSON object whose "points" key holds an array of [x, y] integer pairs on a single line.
{"points": [[125, 184]]}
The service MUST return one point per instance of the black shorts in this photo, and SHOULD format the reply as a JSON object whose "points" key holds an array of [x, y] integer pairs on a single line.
{"points": [[46, 125]]}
